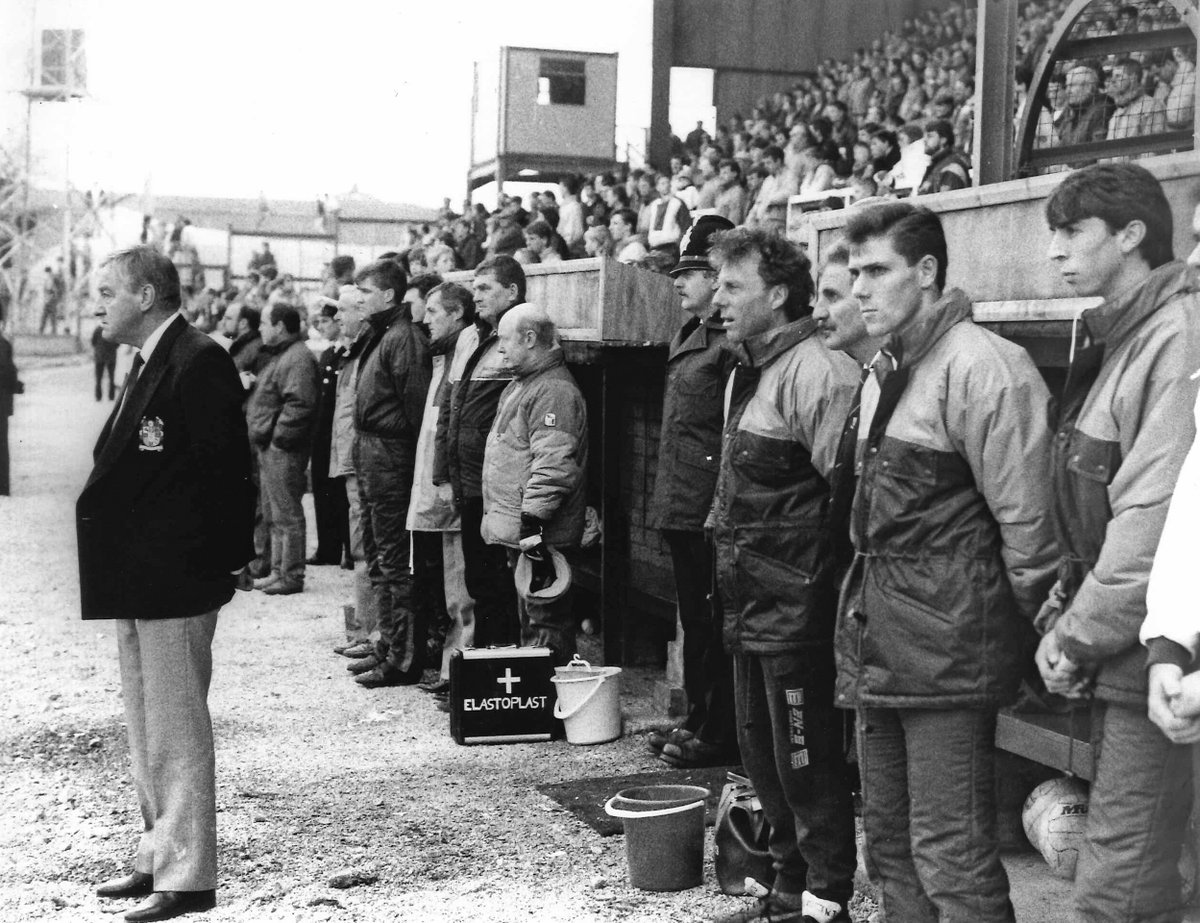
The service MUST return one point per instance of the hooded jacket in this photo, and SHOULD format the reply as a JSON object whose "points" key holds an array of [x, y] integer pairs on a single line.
{"points": [[1123, 431], [282, 410], [788, 398], [954, 546], [536, 457]]}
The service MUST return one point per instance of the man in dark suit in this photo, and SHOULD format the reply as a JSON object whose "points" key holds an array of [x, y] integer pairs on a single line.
{"points": [[163, 521], [9, 385]]}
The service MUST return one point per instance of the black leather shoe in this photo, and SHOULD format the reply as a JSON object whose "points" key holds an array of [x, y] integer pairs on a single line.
{"points": [[383, 676], [135, 884], [441, 686], [165, 905], [364, 665]]}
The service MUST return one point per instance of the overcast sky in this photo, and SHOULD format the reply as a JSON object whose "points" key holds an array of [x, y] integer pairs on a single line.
{"points": [[235, 97]]}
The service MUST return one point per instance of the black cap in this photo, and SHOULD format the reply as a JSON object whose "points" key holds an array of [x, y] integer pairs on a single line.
{"points": [[693, 249]]}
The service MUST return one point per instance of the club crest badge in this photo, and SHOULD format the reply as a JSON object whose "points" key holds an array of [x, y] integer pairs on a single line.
{"points": [[150, 435], [551, 420]]}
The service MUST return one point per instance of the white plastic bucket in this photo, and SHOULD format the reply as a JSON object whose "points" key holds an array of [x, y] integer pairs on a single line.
{"points": [[664, 835], [588, 702]]}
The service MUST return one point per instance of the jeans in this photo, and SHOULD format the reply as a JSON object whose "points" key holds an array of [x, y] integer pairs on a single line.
{"points": [[1140, 802], [281, 475], [489, 581], [929, 811], [385, 472], [459, 605], [363, 623], [791, 738], [707, 668]]}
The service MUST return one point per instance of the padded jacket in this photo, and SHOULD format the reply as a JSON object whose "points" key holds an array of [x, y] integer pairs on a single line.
{"points": [[394, 369], [466, 419], [536, 458], [788, 398], [689, 446], [282, 411], [954, 545], [1123, 431], [431, 506]]}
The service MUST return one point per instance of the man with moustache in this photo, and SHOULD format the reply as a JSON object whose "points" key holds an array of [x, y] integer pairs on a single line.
{"points": [[787, 401], [689, 457]]}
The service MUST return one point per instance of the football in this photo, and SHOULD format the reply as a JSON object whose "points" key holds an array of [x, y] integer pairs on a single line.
{"points": [[1054, 818]]}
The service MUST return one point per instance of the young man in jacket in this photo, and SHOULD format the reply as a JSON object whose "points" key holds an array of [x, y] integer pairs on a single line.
{"points": [[533, 467], [1124, 425], [164, 521], [280, 416], [393, 375], [465, 421], [786, 401], [440, 581], [689, 456], [953, 554]]}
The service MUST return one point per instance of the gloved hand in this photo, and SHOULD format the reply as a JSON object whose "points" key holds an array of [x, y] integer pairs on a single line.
{"points": [[534, 547]]}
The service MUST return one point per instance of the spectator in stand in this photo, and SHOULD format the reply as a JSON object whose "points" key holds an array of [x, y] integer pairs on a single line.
{"points": [[1136, 114], [547, 246], [1087, 111], [710, 181], [392, 381], [362, 618], [731, 195], [842, 129], [439, 572], [280, 417], [819, 174], [948, 168], [697, 139], [683, 188], [329, 493], [418, 290], [628, 245], [667, 215], [466, 244], [104, 359], [964, 113], [646, 189], [597, 241], [1181, 99], [440, 258], [571, 224], [885, 151], [341, 272], [464, 421], [770, 205]]}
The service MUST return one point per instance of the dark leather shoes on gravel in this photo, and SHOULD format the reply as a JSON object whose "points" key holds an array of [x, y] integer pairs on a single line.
{"points": [[383, 676], [166, 905], [364, 665], [135, 884]]}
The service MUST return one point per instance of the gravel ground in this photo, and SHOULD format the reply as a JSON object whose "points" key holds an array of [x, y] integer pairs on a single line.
{"points": [[316, 776]]}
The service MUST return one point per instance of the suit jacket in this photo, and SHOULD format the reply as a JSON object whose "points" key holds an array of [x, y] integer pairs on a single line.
{"points": [[9, 383], [168, 512]]}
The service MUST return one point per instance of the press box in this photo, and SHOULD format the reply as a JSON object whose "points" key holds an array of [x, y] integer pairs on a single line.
{"points": [[501, 695]]}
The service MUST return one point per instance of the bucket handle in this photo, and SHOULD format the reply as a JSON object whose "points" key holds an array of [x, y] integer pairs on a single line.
{"points": [[563, 715], [663, 812]]}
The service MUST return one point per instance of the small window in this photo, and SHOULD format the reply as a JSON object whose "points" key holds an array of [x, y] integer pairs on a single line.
{"points": [[561, 82], [63, 61]]}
